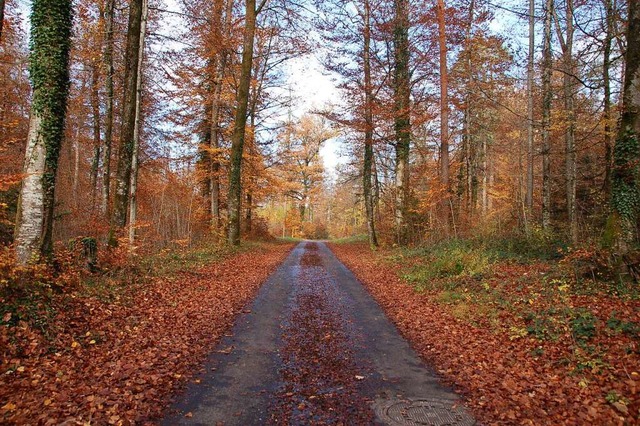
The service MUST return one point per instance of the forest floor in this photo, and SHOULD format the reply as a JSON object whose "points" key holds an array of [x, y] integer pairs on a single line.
{"points": [[526, 341], [113, 352], [315, 349]]}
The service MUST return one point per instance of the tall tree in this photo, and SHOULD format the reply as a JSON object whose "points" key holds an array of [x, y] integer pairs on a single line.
{"points": [[546, 116], [530, 134], [402, 116], [606, 81], [367, 167], [51, 24], [234, 199], [125, 154], [625, 195], [568, 88], [444, 112], [216, 108], [108, 16], [137, 127]]}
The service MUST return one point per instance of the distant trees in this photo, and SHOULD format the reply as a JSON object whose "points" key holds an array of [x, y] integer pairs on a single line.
{"points": [[51, 23], [449, 130]]}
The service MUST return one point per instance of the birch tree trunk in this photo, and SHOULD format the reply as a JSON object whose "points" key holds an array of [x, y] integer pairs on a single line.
{"points": [[51, 24], [402, 95], [368, 135], [133, 201], [108, 130], [546, 116], [125, 154]]}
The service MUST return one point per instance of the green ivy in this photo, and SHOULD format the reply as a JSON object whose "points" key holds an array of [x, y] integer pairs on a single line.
{"points": [[625, 196], [51, 26]]}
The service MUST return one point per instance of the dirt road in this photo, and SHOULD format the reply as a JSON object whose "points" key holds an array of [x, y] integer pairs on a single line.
{"points": [[315, 348]]}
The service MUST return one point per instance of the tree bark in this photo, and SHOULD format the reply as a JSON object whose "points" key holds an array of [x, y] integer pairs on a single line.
{"points": [[568, 84], [108, 129], [606, 81], [133, 200], [97, 142], [125, 154], [444, 115], [402, 95], [234, 199], [51, 25], [368, 134], [1, 17], [530, 134], [625, 195], [546, 117]]}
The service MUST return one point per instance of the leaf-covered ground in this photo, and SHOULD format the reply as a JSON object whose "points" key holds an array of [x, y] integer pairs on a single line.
{"points": [[524, 349], [117, 359]]}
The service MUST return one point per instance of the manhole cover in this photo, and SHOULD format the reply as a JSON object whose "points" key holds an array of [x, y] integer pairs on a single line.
{"points": [[432, 412]]}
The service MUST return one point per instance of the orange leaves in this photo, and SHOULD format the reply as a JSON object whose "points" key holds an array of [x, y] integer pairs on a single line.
{"points": [[513, 381], [116, 361]]}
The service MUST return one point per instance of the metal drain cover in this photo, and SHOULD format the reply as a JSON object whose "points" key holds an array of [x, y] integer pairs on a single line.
{"points": [[422, 412]]}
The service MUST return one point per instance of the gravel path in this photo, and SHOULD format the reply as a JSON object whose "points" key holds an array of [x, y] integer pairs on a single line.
{"points": [[315, 348]]}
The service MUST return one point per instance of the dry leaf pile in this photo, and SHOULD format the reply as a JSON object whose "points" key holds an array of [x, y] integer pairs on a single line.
{"points": [[509, 376], [117, 362]]}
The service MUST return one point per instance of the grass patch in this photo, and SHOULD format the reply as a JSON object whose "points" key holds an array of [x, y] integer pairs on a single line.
{"points": [[362, 238]]}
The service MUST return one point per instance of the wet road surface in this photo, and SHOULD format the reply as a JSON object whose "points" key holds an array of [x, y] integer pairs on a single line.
{"points": [[315, 348]]}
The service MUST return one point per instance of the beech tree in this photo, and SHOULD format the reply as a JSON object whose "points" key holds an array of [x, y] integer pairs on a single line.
{"points": [[234, 199], [127, 141], [51, 24], [402, 105]]}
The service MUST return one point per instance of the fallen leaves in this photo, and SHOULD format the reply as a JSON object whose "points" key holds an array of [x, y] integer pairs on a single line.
{"points": [[510, 380], [117, 361]]}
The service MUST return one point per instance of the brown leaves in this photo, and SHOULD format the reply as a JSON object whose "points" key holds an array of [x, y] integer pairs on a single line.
{"points": [[506, 380], [117, 362]]}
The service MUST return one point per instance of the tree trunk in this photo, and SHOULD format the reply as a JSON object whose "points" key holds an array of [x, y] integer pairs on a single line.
{"points": [[444, 114], [402, 95], [108, 129], [249, 214], [234, 199], [125, 154], [546, 117], [368, 134], [625, 196], [568, 84], [530, 134], [1, 17], [215, 123], [137, 128], [51, 24], [606, 80], [97, 143]]}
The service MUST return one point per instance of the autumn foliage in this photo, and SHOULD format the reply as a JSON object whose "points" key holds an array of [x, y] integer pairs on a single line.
{"points": [[521, 344], [112, 352]]}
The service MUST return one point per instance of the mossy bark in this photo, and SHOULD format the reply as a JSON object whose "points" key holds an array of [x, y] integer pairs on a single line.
{"points": [[625, 193], [51, 26]]}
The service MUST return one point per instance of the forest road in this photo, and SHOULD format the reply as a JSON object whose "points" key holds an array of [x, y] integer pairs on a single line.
{"points": [[315, 348]]}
